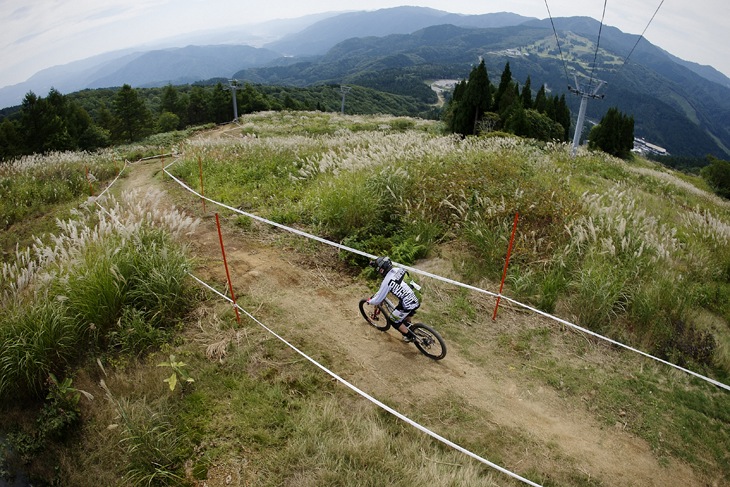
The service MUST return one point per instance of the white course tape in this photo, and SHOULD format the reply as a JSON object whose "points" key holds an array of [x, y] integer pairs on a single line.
{"points": [[450, 281], [329, 372], [371, 398], [96, 200]]}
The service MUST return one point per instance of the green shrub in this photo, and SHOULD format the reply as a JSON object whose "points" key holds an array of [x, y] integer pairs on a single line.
{"points": [[135, 335], [95, 293], [657, 301], [145, 273], [684, 344], [155, 282], [541, 289], [152, 446], [35, 341], [601, 290], [347, 206], [408, 251]]}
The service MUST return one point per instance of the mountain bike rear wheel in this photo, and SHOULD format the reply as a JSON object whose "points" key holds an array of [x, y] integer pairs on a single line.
{"points": [[374, 315], [428, 341]]}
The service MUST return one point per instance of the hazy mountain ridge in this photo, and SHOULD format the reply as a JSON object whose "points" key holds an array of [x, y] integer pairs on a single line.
{"points": [[184, 65], [673, 106], [321, 36], [315, 32], [680, 105]]}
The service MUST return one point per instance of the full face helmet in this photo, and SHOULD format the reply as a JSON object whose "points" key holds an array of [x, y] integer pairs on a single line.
{"points": [[382, 265]]}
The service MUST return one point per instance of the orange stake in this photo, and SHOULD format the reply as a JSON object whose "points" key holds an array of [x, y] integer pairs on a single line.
{"points": [[506, 263], [228, 274]]}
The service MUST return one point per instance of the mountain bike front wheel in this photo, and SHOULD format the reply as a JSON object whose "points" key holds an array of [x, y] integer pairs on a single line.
{"points": [[374, 315], [428, 341]]}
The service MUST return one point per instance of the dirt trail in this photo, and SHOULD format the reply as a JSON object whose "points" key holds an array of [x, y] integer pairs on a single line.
{"points": [[276, 276]]}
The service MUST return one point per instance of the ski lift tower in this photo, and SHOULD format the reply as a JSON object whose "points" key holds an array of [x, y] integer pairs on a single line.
{"points": [[584, 96], [344, 90], [233, 85]]}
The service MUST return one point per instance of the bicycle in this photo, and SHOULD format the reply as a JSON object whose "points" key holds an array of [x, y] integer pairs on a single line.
{"points": [[428, 341]]}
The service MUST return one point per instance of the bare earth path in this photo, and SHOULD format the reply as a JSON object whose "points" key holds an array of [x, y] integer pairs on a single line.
{"points": [[563, 430]]}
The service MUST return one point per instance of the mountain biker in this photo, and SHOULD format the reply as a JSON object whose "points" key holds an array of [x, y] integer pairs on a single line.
{"points": [[407, 300]]}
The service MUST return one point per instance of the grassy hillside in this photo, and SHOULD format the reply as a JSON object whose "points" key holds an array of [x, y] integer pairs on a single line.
{"points": [[627, 249]]}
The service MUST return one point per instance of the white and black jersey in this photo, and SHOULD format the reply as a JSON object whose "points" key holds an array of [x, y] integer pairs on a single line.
{"points": [[393, 283]]}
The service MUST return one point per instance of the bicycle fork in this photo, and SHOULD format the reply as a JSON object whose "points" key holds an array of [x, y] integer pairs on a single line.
{"points": [[375, 315]]}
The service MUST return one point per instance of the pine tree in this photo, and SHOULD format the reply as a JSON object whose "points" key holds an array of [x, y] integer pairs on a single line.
{"points": [[504, 83], [540, 100], [477, 95], [562, 116], [133, 115], [527, 94], [197, 107], [614, 134], [220, 106], [470, 101]]}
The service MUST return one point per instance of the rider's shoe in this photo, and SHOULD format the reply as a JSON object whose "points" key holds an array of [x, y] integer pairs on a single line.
{"points": [[410, 337]]}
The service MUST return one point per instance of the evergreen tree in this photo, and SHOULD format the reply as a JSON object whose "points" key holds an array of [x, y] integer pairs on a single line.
{"points": [[717, 175], [251, 100], [540, 100], [508, 101], [34, 113], [562, 116], [220, 104], [470, 101], [527, 94], [614, 134], [44, 123], [477, 96], [504, 84], [11, 142], [170, 100], [133, 115], [198, 106], [106, 120]]}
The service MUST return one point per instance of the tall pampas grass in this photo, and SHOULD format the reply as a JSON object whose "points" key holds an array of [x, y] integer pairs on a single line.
{"points": [[67, 297]]}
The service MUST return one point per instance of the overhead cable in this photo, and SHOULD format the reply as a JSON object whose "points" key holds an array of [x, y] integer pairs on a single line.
{"points": [[641, 36], [565, 66], [598, 43]]}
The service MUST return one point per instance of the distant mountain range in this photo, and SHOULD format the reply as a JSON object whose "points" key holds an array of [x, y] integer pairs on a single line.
{"points": [[676, 104]]}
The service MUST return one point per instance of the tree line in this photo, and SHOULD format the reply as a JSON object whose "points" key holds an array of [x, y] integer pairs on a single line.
{"points": [[477, 106], [92, 119]]}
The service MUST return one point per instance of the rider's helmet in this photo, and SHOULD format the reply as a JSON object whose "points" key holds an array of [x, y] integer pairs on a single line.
{"points": [[382, 265]]}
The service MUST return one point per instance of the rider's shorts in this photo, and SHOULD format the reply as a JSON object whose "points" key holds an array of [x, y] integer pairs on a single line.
{"points": [[399, 315]]}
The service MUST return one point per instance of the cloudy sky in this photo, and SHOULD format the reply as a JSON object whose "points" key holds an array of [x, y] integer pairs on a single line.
{"points": [[37, 34]]}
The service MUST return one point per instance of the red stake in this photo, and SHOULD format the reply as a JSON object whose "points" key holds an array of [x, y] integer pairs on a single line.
{"points": [[225, 264], [506, 263]]}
